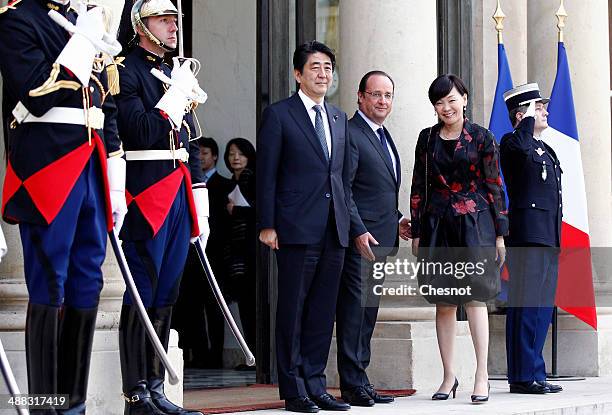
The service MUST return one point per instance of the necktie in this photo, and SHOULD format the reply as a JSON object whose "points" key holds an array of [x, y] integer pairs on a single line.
{"points": [[383, 141], [320, 130]]}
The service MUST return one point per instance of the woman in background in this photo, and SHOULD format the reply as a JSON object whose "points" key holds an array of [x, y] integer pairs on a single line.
{"points": [[239, 158]]}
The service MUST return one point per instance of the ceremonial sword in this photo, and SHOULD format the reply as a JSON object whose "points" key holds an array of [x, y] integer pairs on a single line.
{"points": [[250, 359], [142, 313], [11, 384]]}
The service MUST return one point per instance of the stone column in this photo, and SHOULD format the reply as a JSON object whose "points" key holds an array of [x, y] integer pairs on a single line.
{"points": [[104, 390], [398, 37]]}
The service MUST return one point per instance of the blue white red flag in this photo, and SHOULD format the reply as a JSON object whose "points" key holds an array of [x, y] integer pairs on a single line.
{"points": [[499, 124], [575, 293]]}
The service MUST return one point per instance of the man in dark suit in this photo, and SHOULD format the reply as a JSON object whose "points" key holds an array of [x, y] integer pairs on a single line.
{"points": [[533, 179], [303, 199], [375, 182], [197, 315]]}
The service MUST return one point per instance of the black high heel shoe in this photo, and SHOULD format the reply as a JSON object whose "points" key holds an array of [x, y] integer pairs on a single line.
{"points": [[481, 398], [441, 396]]}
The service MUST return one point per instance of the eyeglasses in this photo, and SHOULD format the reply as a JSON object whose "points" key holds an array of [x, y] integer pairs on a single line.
{"points": [[378, 95]]}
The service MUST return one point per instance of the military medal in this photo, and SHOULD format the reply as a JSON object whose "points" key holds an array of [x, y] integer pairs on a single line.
{"points": [[544, 174]]}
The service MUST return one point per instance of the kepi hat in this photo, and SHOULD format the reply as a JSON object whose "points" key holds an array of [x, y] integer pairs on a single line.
{"points": [[523, 95]]}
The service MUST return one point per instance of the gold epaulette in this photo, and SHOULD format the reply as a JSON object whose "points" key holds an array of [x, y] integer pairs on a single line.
{"points": [[52, 84], [10, 6], [112, 73]]}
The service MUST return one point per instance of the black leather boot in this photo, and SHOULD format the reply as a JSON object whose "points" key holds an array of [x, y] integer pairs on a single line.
{"points": [[160, 317], [41, 337], [77, 327], [133, 365]]}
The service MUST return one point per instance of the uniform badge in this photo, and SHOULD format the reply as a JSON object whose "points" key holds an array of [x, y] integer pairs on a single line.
{"points": [[544, 174], [539, 151]]}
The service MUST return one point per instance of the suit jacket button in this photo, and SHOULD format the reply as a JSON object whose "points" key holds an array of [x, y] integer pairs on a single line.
{"points": [[327, 195], [533, 205]]}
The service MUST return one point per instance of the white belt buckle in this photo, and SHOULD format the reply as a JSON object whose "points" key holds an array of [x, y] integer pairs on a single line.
{"points": [[95, 118]]}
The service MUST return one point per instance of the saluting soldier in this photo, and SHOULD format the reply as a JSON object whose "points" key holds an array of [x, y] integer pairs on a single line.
{"points": [[533, 179], [65, 181], [164, 180]]}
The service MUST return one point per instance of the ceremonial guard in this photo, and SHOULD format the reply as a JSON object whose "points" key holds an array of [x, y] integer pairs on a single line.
{"points": [[533, 179], [65, 179], [166, 195]]}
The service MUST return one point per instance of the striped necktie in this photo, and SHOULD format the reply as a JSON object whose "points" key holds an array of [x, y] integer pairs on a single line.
{"points": [[320, 130]]}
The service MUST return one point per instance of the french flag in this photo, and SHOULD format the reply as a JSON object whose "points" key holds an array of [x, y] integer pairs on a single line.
{"points": [[499, 124], [575, 292]]}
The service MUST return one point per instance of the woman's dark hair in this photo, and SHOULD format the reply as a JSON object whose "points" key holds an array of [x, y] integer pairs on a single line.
{"points": [[245, 148], [302, 52], [443, 85]]}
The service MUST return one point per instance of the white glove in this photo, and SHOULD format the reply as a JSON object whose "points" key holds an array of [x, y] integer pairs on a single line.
{"points": [[174, 101], [531, 110], [200, 198], [116, 184], [3, 248], [78, 54], [195, 94]]}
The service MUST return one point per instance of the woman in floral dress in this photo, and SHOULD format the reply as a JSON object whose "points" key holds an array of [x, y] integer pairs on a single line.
{"points": [[458, 217]]}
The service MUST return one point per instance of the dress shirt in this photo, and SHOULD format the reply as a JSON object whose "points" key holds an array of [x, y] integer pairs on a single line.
{"points": [[375, 128], [309, 103], [209, 173]]}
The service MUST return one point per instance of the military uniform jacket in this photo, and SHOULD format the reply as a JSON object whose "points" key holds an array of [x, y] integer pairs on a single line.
{"points": [[533, 179], [151, 186], [46, 159]]}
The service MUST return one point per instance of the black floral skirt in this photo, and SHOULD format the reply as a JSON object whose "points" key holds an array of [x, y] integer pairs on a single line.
{"points": [[457, 257]]}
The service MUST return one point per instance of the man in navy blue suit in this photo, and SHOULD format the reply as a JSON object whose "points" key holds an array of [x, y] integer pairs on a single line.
{"points": [[304, 203], [533, 179]]}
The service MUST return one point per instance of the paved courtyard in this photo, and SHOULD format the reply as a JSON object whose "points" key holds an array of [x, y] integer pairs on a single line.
{"points": [[591, 396]]}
